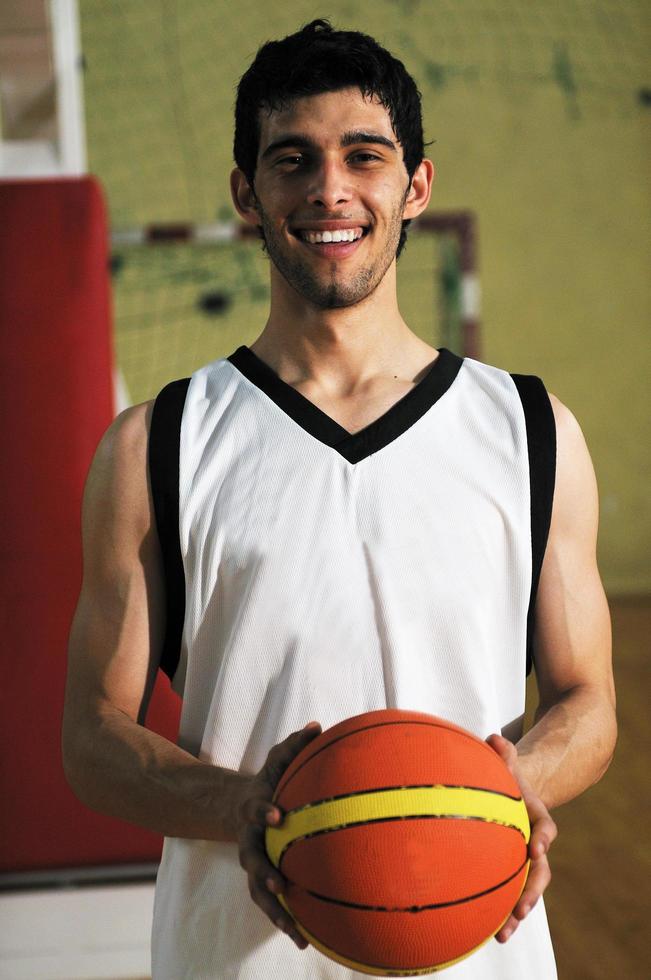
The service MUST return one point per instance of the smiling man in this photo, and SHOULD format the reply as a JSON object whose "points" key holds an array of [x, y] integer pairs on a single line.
{"points": [[356, 212], [335, 519]]}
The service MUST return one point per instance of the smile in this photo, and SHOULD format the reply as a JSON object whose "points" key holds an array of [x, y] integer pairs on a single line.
{"points": [[332, 244], [340, 235]]}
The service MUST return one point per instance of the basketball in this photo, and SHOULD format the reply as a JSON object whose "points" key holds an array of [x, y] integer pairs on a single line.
{"points": [[404, 842]]}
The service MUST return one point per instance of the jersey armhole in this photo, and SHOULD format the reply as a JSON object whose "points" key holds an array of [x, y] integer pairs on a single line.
{"points": [[163, 460], [541, 442]]}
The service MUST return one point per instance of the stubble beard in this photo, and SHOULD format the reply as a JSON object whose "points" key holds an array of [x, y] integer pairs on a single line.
{"points": [[333, 289]]}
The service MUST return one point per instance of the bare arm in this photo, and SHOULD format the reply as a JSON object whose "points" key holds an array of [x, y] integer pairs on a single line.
{"points": [[573, 739], [113, 763]]}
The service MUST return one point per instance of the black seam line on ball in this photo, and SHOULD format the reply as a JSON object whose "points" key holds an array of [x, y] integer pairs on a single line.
{"points": [[417, 908], [415, 816], [383, 724], [392, 789]]}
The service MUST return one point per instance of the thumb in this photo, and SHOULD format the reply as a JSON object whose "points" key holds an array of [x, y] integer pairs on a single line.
{"points": [[504, 748], [284, 752]]}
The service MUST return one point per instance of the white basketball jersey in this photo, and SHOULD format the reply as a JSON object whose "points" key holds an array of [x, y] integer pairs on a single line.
{"points": [[317, 574]]}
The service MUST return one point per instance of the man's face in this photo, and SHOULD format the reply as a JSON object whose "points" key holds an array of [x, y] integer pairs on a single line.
{"points": [[331, 163]]}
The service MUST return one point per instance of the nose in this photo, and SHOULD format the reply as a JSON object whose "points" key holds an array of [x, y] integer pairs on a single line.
{"points": [[330, 185]]}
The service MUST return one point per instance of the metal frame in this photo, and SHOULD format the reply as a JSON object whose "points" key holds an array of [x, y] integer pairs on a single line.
{"points": [[461, 225]]}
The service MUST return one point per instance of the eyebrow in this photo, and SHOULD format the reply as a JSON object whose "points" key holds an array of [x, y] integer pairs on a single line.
{"points": [[300, 140]]}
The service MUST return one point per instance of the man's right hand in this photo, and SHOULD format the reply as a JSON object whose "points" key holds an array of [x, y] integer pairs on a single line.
{"points": [[255, 812]]}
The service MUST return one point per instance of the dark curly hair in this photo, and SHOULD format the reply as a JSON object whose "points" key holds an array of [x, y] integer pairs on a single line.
{"points": [[320, 59]]}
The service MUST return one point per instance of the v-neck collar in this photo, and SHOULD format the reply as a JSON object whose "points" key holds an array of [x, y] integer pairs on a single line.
{"points": [[354, 446]]}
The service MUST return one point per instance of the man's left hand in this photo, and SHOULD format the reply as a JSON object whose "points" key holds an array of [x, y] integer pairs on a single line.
{"points": [[543, 832]]}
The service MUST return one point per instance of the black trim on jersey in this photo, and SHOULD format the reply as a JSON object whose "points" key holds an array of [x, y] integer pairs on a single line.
{"points": [[357, 445], [163, 458], [541, 439], [164, 448]]}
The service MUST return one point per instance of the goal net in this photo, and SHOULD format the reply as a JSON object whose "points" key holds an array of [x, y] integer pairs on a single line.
{"points": [[179, 304]]}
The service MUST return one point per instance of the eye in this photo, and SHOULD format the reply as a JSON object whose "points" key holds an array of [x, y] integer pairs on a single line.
{"points": [[298, 159], [294, 159]]}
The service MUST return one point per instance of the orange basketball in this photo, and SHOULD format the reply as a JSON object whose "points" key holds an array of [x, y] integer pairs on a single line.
{"points": [[404, 842]]}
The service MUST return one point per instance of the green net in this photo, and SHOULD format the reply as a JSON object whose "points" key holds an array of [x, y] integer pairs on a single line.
{"points": [[160, 80], [178, 306]]}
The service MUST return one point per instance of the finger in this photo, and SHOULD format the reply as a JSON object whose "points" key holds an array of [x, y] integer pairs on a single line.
{"points": [[256, 813], [265, 880], [507, 930], [284, 752], [505, 749], [259, 811], [537, 881], [253, 852], [543, 832], [272, 908]]}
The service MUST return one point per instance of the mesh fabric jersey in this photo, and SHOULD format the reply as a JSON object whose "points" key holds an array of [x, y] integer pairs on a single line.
{"points": [[319, 574]]}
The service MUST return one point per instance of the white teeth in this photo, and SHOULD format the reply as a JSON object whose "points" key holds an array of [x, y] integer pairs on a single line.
{"points": [[342, 235]]}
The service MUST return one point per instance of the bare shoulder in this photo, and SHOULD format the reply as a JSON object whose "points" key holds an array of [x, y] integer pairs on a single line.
{"points": [[118, 477], [576, 503], [565, 420], [126, 437], [562, 413]]}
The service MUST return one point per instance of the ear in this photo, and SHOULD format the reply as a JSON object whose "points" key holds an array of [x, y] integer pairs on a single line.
{"points": [[244, 197], [420, 190]]}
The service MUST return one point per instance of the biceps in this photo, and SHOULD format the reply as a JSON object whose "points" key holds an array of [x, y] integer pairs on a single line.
{"points": [[572, 635], [116, 633], [115, 639]]}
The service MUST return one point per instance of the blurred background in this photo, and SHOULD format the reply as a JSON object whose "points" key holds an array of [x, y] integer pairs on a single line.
{"points": [[533, 256]]}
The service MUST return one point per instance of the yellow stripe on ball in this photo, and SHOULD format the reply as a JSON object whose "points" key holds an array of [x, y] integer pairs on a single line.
{"points": [[453, 802]]}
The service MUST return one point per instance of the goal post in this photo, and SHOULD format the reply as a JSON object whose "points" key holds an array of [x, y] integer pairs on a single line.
{"points": [[179, 296], [186, 294]]}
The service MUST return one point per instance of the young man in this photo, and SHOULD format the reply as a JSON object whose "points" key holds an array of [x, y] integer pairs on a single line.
{"points": [[356, 520]]}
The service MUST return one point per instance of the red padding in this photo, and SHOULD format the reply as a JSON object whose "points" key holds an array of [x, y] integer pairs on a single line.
{"points": [[55, 402]]}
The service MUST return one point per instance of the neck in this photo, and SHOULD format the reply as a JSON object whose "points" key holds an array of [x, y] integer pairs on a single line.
{"points": [[338, 349]]}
